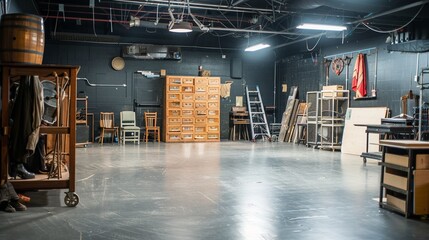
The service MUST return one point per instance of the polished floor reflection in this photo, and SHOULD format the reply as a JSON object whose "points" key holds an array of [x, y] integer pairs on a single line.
{"points": [[226, 191]]}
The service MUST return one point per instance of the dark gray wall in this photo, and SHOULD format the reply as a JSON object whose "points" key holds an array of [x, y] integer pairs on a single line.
{"points": [[95, 62], [395, 73]]}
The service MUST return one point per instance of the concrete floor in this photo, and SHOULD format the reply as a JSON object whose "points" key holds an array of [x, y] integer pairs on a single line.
{"points": [[226, 190]]}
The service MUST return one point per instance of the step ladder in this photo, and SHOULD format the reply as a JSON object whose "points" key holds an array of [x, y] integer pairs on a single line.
{"points": [[258, 119]]}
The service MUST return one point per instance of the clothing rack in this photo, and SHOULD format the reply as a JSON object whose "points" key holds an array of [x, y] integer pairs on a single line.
{"points": [[364, 51]]}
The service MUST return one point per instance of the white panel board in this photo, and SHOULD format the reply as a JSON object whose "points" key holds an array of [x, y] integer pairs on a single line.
{"points": [[354, 137]]}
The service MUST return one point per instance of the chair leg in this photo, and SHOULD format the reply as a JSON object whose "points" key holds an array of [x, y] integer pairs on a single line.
{"points": [[146, 135], [102, 136], [158, 134]]}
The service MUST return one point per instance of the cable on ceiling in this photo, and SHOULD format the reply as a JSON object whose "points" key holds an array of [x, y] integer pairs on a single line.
{"points": [[396, 29], [311, 49]]}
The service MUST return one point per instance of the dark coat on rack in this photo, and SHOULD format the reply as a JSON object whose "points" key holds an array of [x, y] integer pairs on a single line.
{"points": [[26, 118]]}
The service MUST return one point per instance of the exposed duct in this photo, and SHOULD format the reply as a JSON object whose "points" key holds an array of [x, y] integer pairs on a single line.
{"points": [[146, 51]]}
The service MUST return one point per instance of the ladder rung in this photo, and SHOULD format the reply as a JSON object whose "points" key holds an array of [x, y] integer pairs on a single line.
{"points": [[255, 101], [257, 112], [259, 123], [252, 91]]}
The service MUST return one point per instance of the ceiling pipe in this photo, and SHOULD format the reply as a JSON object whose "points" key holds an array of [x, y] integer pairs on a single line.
{"points": [[254, 31], [405, 7], [299, 40], [203, 6], [238, 2]]}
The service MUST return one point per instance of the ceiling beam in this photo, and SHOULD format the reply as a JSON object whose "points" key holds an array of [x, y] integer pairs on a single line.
{"points": [[203, 6]]}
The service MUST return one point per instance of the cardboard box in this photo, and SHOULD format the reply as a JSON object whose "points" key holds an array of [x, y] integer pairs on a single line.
{"points": [[395, 180], [421, 192], [396, 202], [332, 88], [163, 73], [422, 161], [400, 160]]}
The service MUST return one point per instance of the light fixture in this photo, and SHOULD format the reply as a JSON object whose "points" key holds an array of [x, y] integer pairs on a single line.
{"points": [[257, 47], [325, 27], [180, 27]]}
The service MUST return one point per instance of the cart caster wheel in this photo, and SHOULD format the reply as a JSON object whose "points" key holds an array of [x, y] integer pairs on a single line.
{"points": [[71, 199], [364, 160], [253, 140]]}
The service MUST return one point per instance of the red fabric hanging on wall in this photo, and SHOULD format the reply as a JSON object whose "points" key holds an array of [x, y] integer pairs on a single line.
{"points": [[359, 76]]}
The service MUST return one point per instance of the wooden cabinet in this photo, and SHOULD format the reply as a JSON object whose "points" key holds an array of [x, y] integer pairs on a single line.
{"points": [[405, 177], [192, 109], [61, 133]]}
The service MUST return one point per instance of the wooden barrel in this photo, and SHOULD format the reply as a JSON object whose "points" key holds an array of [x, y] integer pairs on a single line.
{"points": [[22, 38]]}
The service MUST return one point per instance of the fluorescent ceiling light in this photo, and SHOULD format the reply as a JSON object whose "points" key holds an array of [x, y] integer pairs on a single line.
{"points": [[256, 47], [180, 27], [324, 27]]}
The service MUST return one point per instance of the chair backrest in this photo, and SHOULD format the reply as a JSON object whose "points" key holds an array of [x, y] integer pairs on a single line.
{"points": [[128, 118], [150, 119], [107, 119]]}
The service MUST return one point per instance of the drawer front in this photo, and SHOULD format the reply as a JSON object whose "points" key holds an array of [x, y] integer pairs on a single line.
{"points": [[187, 137], [187, 89], [200, 129], [173, 96], [173, 113], [188, 129], [200, 105], [174, 129], [213, 136], [213, 120], [200, 89], [188, 105], [200, 137], [213, 89], [173, 104], [173, 88], [213, 97], [200, 97], [214, 81], [213, 105], [188, 120], [188, 96], [187, 113], [200, 120], [174, 120], [200, 112], [212, 112], [188, 81], [174, 81], [173, 137], [213, 128], [202, 81]]}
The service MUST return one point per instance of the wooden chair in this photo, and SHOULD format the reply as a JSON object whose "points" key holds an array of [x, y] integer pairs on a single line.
{"points": [[107, 124], [129, 130], [150, 119]]}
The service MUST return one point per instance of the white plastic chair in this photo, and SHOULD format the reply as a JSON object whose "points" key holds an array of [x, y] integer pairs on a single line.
{"points": [[129, 131]]}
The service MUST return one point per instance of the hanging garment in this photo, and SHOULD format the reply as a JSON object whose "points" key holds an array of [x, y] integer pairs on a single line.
{"points": [[225, 90], [26, 118], [359, 76]]}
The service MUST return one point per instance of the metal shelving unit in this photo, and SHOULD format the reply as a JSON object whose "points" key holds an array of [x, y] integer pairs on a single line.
{"points": [[333, 106]]}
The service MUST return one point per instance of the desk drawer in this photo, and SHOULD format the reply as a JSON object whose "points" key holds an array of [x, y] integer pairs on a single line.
{"points": [[400, 160]]}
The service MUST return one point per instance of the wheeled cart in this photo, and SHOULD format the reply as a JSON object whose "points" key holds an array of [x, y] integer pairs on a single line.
{"points": [[59, 131]]}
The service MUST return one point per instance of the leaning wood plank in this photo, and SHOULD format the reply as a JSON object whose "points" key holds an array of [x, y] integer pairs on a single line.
{"points": [[285, 120], [293, 120], [286, 115], [302, 107], [354, 137]]}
